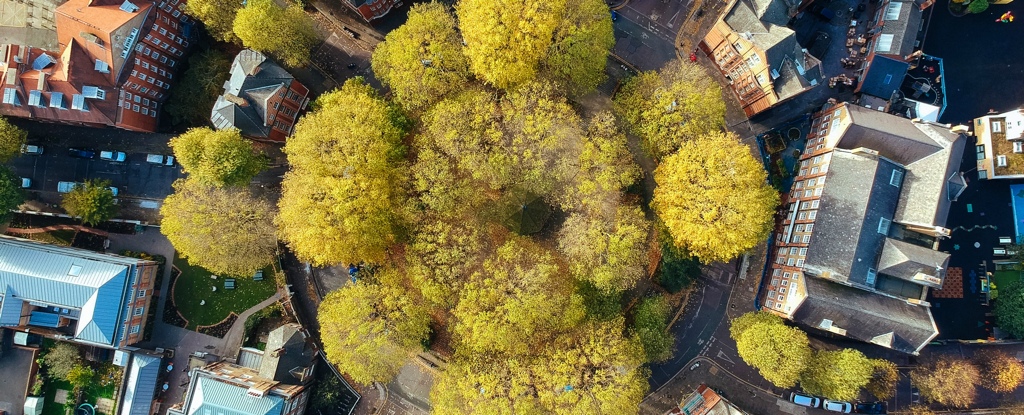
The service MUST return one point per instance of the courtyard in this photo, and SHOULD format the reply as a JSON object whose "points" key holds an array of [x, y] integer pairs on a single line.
{"points": [[203, 300]]}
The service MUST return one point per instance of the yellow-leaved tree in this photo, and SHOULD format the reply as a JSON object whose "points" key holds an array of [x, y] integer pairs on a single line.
{"points": [[607, 250], [343, 198], [580, 46], [217, 157], [218, 16], [713, 198], [285, 33], [604, 168]]}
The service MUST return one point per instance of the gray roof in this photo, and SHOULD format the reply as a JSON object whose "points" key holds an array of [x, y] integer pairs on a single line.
{"points": [[856, 195], [41, 273], [254, 79], [883, 76], [141, 385], [765, 23], [287, 358], [904, 29], [905, 261], [211, 397], [867, 316]]}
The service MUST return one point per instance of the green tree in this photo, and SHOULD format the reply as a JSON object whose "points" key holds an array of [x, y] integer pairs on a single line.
{"points": [[977, 6], [342, 200], [422, 61], [485, 384], [728, 211], [610, 251], [193, 96], [601, 305], [285, 33], [650, 326], [370, 329], [580, 46], [507, 39], [1000, 372], [741, 324], [947, 381], [919, 409], [60, 359], [217, 157], [837, 375], [218, 16], [1009, 308], [677, 269], [80, 376], [225, 230], [605, 167], [11, 140], [92, 201], [442, 254], [883, 381], [780, 353], [11, 195], [666, 108]]}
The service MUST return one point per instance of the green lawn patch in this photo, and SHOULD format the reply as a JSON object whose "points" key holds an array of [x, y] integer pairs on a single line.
{"points": [[50, 391], [1005, 277], [194, 286], [62, 237]]}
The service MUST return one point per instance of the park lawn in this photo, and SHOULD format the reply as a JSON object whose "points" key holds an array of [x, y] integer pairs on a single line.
{"points": [[194, 285], [1004, 277]]}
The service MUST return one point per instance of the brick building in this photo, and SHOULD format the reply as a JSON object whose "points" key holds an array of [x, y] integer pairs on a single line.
{"points": [[372, 9], [261, 99], [114, 63]]}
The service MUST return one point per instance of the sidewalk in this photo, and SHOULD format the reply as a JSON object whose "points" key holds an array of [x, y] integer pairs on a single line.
{"points": [[747, 397]]}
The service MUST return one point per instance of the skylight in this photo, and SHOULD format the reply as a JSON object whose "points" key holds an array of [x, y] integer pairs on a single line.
{"points": [[884, 43], [75, 271]]}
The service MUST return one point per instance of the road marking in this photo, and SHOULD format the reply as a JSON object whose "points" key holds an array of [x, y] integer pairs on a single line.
{"points": [[722, 355]]}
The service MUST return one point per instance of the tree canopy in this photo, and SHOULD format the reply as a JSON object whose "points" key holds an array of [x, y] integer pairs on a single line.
{"points": [[650, 326], [1000, 372], [92, 201], [193, 96], [217, 157], [948, 381], [11, 195], [285, 33], [11, 140], [442, 254], [837, 375], [669, 107], [713, 198], [1009, 308], [779, 352], [580, 46], [225, 230], [370, 328], [217, 15], [422, 61], [610, 251], [883, 381], [342, 198], [605, 167], [60, 359]]}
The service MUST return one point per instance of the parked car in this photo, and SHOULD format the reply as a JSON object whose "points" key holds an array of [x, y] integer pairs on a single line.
{"points": [[838, 406], [805, 400], [31, 149], [117, 156], [871, 408], [160, 159], [81, 153], [113, 190], [64, 187], [26, 182]]}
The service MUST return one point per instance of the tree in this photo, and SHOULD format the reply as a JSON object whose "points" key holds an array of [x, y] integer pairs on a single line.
{"points": [[1000, 372], [217, 15], [1009, 308], [579, 51], [919, 409], [217, 157], [442, 255], [192, 98], [485, 384], [837, 375], [342, 200], [11, 140], [610, 251], [669, 107], [678, 269], [883, 381], [61, 359], [80, 376], [507, 39], [977, 6], [605, 167], [370, 329], [11, 195], [517, 300], [780, 353], [225, 230], [947, 381], [92, 201], [285, 33], [650, 326], [741, 324], [422, 61], [713, 198]]}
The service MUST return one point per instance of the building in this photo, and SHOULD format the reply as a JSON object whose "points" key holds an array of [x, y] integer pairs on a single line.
{"points": [[140, 384], [759, 56], [112, 64], [1000, 145], [855, 249], [704, 401], [894, 28], [72, 294], [261, 99], [372, 9], [275, 382]]}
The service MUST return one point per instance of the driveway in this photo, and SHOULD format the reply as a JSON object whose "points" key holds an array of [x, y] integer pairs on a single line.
{"points": [[15, 367]]}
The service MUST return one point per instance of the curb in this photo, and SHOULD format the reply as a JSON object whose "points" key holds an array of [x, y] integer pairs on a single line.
{"points": [[702, 359]]}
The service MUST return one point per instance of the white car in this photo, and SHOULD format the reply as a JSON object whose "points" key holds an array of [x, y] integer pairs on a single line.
{"points": [[30, 149], [64, 187], [160, 159], [117, 156], [837, 406], [805, 400], [113, 190]]}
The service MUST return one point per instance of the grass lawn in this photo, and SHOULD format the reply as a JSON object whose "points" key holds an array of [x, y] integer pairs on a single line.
{"points": [[61, 237], [1005, 277], [50, 391], [194, 285]]}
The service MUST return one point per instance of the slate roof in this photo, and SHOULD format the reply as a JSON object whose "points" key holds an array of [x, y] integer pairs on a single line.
{"points": [[141, 385], [212, 397], [856, 195], [904, 29], [33, 271], [287, 358], [883, 76], [254, 78], [905, 261], [867, 316]]}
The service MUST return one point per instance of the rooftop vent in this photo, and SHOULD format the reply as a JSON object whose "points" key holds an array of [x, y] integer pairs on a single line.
{"points": [[57, 100], [102, 66], [93, 92], [129, 7]]}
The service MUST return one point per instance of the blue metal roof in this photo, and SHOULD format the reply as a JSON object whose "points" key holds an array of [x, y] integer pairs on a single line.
{"points": [[142, 383], [41, 319], [884, 76], [211, 397]]}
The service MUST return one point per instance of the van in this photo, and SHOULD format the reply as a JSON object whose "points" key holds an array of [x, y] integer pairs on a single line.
{"points": [[805, 400], [160, 159]]}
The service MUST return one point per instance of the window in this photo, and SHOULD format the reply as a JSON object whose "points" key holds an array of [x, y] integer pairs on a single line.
{"points": [[803, 251], [807, 193], [138, 311], [142, 293], [782, 290], [803, 215], [785, 283], [753, 60], [997, 127], [770, 303], [1018, 147], [787, 275], [817, 191], [782, 251], [814, 204], [156, 55], [814, 170], [145, 111], [799, 262], [147, 51], [893, 11], [808, 227], [897, 177], [812, 214], [883, 226], [791, 261], [775, 282], [811, 182], [775, 273], [799, 228], [884, 43], [135, 73], [807, 239], [872, 274], [793, 250], [135, 329], [145, 65], [817, 159], [1000, 161], [781, 298], [836, 114]]}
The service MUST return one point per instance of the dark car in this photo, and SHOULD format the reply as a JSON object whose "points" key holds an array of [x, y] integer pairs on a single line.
{"points": [[81, 153], [870, 408]]}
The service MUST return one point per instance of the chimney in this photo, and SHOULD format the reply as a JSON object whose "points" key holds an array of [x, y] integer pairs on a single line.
{"points": [[41, 85], [235, 99]]}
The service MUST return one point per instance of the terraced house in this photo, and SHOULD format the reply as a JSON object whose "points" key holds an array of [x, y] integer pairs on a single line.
{"points": [[855, 249], [1000, 146], [106, 63]]}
